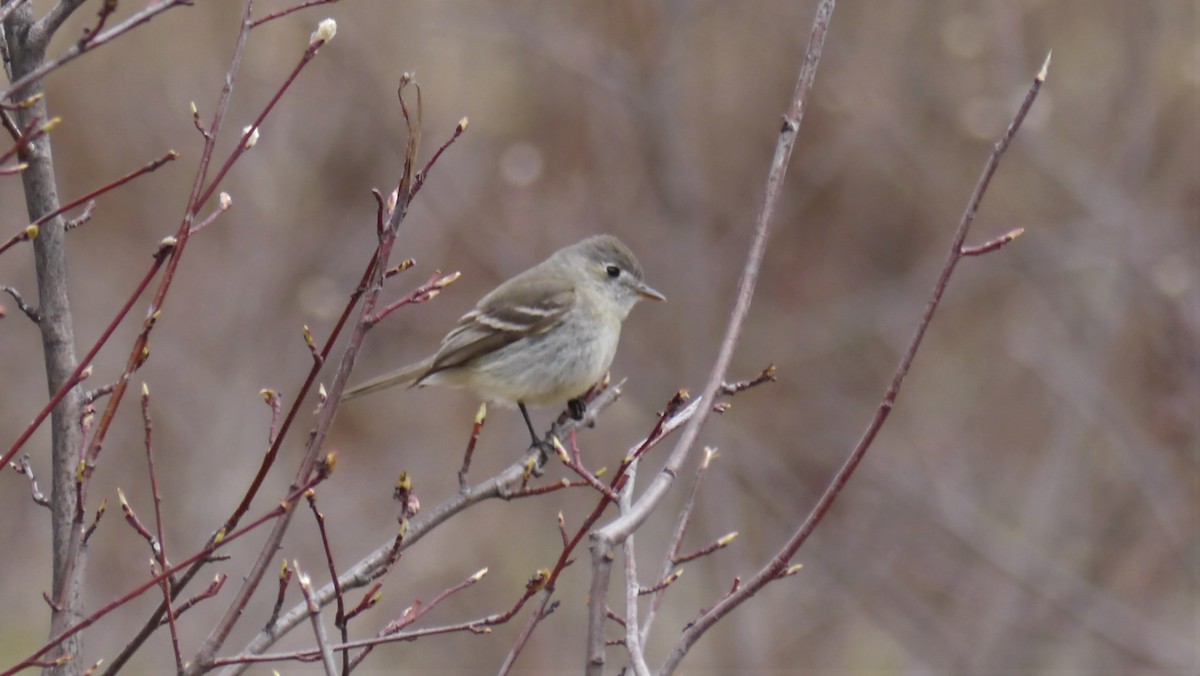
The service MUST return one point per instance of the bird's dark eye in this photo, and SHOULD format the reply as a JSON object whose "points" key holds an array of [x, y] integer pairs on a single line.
{"points": [[613, 271]]}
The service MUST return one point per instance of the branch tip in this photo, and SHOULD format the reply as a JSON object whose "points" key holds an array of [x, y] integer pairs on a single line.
{"points": [[791, 570], [324, 33]]}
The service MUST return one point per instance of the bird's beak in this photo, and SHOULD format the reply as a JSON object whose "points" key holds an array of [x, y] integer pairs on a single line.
{"points": [[647, 292]]}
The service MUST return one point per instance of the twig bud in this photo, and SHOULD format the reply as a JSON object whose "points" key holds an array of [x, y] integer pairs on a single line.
{"points": [[324, 33], [252, 139], [560, 450]]}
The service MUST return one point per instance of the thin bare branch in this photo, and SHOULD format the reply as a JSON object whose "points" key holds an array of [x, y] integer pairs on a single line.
{"points": [[289, 10], [779, 565], [314, 615], [112, 185], [604, 540], [138, 18]]}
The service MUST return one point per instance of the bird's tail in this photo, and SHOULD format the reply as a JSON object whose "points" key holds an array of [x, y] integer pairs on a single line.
{"points": [[409, 375]]}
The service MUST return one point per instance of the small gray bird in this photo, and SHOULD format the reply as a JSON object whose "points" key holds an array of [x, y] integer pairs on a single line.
{"points": [[543, 337]]}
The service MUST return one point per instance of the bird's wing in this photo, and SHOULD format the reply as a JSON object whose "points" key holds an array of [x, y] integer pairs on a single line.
{"points": [[526, 305]]}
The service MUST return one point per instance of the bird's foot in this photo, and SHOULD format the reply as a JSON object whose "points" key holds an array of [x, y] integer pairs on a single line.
{"points": [[577, 408]]}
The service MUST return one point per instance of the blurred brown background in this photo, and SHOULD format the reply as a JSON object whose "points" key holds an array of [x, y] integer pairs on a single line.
{"points": [[1031, 507]]}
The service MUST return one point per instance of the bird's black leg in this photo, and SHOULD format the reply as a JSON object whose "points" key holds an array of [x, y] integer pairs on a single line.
{"points": [[577, 408], [541, 445]]}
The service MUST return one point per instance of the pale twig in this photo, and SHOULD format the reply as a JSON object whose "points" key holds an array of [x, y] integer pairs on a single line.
{"points": [[633, 641], [30, 311], [605, 539], [681, 525], [314, 615], [26, 468]]}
